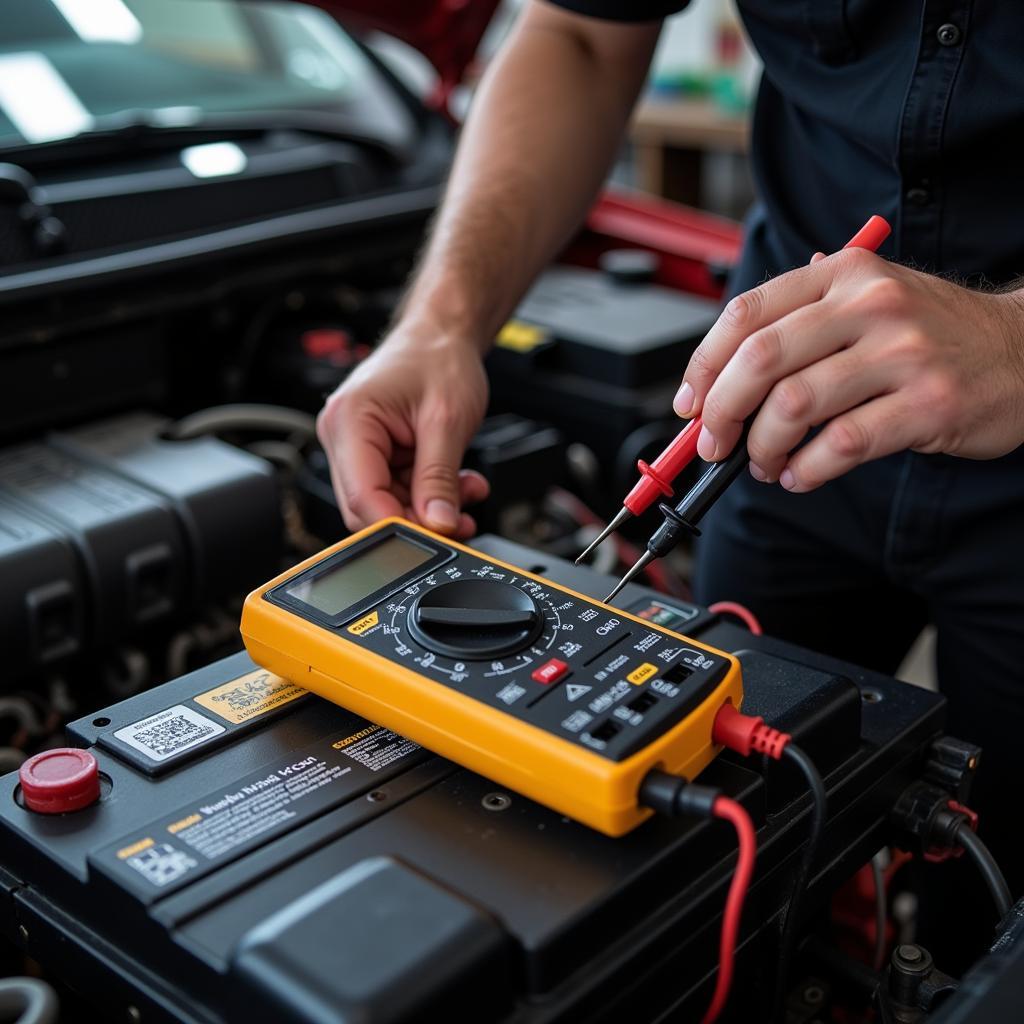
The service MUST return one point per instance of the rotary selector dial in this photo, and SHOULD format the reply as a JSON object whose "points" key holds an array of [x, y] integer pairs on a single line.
{"points": [[475, 619]]}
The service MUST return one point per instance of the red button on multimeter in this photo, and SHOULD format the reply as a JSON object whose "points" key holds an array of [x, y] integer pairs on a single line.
{"points": [[550, 672], [445, 645]]}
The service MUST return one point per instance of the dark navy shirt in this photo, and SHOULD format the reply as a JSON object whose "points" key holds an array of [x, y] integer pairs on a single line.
{"points": [[913, 109]]}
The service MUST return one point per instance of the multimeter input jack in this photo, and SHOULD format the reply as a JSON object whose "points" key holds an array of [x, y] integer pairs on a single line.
{"points": [[678, 673], [643, 703], [606, 731]]}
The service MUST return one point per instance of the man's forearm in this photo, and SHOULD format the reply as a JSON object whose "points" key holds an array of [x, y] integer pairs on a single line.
{"points": [[543, 131]]}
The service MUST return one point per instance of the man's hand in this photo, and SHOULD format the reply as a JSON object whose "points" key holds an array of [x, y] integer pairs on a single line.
{"points": [[396, 430], [886, 357]]}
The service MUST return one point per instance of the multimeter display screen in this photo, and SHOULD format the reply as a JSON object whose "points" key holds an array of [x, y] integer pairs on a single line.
{"points": [[346, 584]]}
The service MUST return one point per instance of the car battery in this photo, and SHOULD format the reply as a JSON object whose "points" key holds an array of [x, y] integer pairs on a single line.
{"points": [[108, 530], [597, 353], [259, 854]]}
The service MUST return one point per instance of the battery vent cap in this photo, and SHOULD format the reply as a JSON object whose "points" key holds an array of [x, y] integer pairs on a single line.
{"points": [[60, 780]]}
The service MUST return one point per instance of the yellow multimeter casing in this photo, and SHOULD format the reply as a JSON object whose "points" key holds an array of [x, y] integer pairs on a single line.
{"points": [[397, 654]]}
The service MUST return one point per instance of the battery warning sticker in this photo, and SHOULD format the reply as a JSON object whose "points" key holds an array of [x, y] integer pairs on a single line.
{"points": [[169, 732], [254, 809], [249, 696], [375, 747]]}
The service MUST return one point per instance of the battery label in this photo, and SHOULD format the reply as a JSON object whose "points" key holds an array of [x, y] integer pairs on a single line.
{"points": [[375, 747], [248, 812], [249, 696], [171, 731]]}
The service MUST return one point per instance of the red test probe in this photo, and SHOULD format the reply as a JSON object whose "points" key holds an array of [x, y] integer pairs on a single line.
{"points": [[705, 492], [656, 478]]}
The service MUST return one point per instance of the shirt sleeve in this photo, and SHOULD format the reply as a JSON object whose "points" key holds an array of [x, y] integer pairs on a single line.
{"points": [[624, 10]]}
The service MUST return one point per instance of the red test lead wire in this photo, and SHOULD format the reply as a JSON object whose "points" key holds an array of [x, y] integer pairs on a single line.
{"points": [[733, 812], [744, 614]]}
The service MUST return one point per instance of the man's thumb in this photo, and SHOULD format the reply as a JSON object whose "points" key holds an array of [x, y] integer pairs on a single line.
{"points": [[435, 480]]}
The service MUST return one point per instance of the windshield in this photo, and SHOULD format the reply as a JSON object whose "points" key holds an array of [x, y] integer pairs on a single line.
{"points": [[69, 67]]}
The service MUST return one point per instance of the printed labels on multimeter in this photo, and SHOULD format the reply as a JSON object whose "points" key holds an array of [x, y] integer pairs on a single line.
{"points": [[488, 664]]}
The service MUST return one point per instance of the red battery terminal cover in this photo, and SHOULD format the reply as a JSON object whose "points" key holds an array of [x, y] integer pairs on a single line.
{"points": [[60, 780]]}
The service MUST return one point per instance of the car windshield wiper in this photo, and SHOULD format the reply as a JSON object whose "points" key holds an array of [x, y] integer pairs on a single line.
{"points": [[170, 127]]}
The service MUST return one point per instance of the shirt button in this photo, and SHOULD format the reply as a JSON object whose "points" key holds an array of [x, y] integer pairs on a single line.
{"points": [[918, 196], [948, 34]]}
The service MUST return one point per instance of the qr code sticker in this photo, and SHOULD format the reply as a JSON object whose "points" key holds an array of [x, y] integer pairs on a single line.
{"points": [[169, 732], [161, 864]]}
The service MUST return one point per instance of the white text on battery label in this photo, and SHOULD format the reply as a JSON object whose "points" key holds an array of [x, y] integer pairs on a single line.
{"points": [[610, 696]]}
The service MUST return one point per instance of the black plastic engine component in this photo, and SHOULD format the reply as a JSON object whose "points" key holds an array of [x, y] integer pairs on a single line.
{"points": [[42, 607], [225, 498], [108, 530], [520, 459], [597, 354]]}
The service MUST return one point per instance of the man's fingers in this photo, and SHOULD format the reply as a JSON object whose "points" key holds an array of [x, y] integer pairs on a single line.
{"points": [[745, 314], [435, 479], [868, 432], [358, 452], [473, 487], [466, 528], [770, 354], [807, 398]]}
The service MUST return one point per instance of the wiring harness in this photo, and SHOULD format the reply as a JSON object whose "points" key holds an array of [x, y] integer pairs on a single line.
{"points": [[940, 827]]}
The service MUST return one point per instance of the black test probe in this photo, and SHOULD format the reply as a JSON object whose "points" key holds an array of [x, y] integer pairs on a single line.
{"points": [[683, 519], [708, 489]]}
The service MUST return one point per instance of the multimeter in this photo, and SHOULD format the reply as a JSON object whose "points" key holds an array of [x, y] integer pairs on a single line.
{"points": [[557, 696]]}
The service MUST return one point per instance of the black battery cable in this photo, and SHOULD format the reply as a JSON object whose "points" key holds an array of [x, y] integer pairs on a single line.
{"points": [[987, 867]]}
